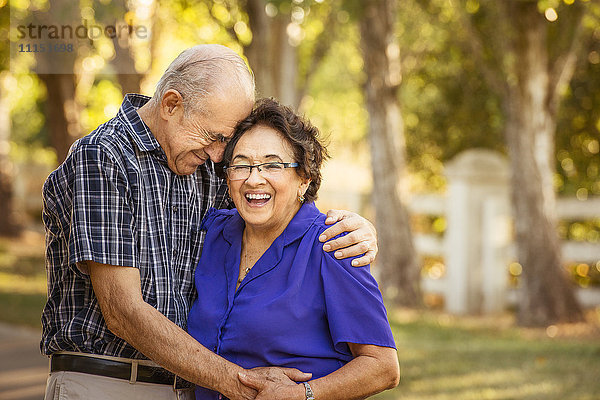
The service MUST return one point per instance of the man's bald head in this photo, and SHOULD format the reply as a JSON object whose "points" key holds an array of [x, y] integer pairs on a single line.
{"points": [[204, 71]]}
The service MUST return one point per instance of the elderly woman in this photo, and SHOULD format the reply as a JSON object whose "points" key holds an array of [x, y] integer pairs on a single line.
{"points": [[268, 295]]}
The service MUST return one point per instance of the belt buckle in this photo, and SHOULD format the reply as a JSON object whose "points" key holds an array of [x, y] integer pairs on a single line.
{"points": [[184, 385], [134, 372]]}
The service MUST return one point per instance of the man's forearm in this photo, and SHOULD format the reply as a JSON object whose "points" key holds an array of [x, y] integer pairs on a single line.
{"points": [[162, 341], [128, 316]]}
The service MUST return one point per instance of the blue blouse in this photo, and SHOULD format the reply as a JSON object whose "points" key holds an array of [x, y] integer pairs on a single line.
{"points": [[297, 307]]}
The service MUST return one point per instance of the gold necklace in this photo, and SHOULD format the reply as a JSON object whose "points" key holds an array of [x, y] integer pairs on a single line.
{"points": [[247, 269]]}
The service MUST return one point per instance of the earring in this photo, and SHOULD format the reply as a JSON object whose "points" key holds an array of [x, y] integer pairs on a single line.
{"points": [[301, 198]]}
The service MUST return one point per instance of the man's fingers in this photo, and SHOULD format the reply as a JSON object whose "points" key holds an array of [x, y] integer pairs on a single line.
{"points": [[367, 259], [252, 380], [355, 250], [297, 375], [346, 225], [361, 239], [336, 215], [354, 240]]}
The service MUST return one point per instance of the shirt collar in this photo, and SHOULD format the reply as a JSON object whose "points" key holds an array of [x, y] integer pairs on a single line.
{"points": [[137, 129], [297, 227], [301, 222]]}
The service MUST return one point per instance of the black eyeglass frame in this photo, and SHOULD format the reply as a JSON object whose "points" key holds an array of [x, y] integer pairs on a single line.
{"points": [[227, 168]]}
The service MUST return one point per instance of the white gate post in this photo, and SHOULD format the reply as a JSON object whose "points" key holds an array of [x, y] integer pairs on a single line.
{"points": [[477, 194], [496, 235]]}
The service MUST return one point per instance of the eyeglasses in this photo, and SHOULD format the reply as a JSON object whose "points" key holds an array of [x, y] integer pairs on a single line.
{"points": [[267, 170]]}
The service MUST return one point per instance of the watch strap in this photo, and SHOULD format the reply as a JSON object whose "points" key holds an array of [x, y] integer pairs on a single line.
{"points": [[309, 393]]}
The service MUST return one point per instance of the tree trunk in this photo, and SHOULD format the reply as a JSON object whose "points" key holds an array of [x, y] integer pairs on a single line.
{"points": [[62, 109], [62, 112], [400, 270], [546, 296], [271, 56], [129, 79]]}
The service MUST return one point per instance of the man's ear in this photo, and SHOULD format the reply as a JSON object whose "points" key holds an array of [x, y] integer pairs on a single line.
{"points": [[170, 104]]}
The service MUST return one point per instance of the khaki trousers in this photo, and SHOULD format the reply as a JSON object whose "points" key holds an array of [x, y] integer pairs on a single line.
{"points": [[66, 385]]}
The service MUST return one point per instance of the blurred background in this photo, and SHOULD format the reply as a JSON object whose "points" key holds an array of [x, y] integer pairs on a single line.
{"points": [[468, 131]]}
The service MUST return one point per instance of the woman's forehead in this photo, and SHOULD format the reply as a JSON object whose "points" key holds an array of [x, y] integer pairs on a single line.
{"points": [[262, 141]]}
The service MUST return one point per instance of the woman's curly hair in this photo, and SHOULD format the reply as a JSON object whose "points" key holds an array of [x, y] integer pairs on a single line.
{"points": [[309, 150]]}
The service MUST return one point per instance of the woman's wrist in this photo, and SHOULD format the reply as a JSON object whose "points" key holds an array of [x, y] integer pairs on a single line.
{"points": [[299, 392], [308, 392]]}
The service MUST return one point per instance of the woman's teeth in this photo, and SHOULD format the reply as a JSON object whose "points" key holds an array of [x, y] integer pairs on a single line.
{"points": [[258, 196]]}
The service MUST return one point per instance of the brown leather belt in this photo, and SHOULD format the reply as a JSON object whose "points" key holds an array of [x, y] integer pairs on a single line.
{"points": [[117, 369]]}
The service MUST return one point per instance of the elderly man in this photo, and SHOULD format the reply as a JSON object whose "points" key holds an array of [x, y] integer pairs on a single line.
{"points": [[122, 217]]}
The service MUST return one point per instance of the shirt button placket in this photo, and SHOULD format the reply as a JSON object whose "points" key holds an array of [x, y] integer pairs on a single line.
{"points": [[175, 197]]}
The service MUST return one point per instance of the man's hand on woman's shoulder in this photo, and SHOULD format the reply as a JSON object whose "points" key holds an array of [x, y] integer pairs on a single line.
{"points": [[361, 237]]}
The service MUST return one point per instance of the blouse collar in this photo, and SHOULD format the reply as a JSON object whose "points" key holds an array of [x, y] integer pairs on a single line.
{"points": [[296, 228]]}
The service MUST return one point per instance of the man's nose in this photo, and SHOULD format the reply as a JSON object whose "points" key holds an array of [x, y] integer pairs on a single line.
{"points": [[215, 151]]}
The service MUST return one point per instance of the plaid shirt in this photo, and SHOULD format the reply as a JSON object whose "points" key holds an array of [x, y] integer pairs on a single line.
{"points": [[115, 201]]}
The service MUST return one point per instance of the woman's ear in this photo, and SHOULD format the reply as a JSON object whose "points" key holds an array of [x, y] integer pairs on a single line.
{"points": [[304, 187], [228, 187]]}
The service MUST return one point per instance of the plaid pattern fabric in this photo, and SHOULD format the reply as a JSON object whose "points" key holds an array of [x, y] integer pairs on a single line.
{"points": [[115, 201]]}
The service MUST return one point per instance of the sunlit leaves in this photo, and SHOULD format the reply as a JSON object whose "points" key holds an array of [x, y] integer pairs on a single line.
{"points": [[336, 103], [26, 94], [578, 133], [443, 90], [446, 103], [472, 6], [103, 103]]}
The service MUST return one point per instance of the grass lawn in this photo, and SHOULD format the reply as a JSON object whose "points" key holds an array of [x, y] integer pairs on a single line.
{"points": [[449, 358], [22, 279], [442, 357]]}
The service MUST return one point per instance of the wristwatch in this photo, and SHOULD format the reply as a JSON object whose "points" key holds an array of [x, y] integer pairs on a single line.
{"points": [[309, 393]]}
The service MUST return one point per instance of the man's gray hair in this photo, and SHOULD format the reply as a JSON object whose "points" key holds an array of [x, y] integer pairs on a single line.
{"points": [[199, 71]]}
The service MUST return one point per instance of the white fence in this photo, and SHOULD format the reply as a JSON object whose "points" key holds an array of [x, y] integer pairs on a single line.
{"points": [[477, 245]]}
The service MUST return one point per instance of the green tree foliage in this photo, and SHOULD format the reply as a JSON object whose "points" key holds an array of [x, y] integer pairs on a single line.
{"points": [[447, 106], [454, 109], [4, 26], [446, 103], [335, 101], [578, 133]]}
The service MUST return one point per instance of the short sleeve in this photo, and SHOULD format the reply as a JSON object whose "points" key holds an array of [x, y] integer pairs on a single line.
{"points": [[215, 217], [354, 305], [102, 220], [209, 219]]}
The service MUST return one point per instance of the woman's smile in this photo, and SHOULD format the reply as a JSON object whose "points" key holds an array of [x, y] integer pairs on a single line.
{"points": [[257, 199]]}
